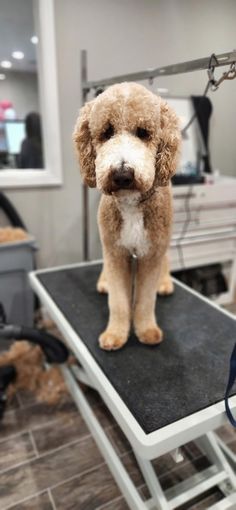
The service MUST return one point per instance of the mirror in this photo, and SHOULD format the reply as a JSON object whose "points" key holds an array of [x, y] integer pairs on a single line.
{"points": [[28, 124]]}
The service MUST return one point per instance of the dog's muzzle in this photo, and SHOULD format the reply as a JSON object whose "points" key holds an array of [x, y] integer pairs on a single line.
{"points": [[122, 178]]}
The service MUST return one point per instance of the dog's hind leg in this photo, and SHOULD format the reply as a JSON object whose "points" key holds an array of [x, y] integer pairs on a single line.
{"points": [[146, 328], [118, 273], [165, 284]]}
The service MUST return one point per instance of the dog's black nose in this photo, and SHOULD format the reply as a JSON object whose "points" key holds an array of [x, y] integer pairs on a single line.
{"points": [[123, 178]]}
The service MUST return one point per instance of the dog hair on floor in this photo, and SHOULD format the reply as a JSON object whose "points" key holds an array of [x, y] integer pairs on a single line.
{"points": [[47, 385], [128, 140]]}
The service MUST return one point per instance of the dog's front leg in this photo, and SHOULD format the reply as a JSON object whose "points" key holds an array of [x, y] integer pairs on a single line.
{"points": [[118, 274], [146, 328]]}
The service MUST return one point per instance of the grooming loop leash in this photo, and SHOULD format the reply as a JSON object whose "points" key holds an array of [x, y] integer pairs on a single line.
{"points": [[227, 75], [212, 83], [231, 381], [133, 277]]}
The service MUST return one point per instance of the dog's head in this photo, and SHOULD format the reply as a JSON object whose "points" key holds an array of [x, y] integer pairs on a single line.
{"points": [[127, 139]]}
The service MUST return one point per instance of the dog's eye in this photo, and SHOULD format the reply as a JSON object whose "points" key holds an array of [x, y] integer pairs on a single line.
{"points": [[142, 133], [107, 134]]}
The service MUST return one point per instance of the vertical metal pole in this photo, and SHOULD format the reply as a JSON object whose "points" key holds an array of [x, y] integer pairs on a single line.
{"points": [[85, 198], [85, 222]]}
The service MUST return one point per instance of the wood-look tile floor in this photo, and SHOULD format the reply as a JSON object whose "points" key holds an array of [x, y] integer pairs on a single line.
{"points": [[49, 461]]}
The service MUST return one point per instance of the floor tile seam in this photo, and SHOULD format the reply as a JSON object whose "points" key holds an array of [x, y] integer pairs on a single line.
{"points": [[25, 430], [117, 499], [24, 500], [33, 442], [19, 464], [50, 496], [45, 454]]}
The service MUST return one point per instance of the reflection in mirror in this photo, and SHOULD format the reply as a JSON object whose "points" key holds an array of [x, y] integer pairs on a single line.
{"points": [[21, 144]]}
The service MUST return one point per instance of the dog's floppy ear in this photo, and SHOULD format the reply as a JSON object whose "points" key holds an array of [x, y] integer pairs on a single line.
{"points": [[84, 146], [169, 146]]}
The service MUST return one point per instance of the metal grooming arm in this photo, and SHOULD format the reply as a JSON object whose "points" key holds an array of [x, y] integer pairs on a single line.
{"points": [[184, 67]]}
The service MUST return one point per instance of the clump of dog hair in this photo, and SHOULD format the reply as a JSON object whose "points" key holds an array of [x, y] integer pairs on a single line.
{"points": [[11, 235], [47, 384]]}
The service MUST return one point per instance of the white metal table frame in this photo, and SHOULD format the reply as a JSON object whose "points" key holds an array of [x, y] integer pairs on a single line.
{"points": [[198, 426]]}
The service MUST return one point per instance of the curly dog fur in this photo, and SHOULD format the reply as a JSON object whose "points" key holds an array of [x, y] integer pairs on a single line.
{"points": [[127, 141]]}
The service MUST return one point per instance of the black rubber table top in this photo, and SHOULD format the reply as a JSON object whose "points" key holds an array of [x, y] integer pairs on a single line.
{"points": [[187, 372]]}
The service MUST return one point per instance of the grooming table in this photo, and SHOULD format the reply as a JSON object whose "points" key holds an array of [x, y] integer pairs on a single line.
{"points": [[163, 396]]}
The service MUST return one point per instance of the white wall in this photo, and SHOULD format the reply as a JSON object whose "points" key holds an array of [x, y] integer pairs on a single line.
{"points": [[21, 88], [124, 36]]}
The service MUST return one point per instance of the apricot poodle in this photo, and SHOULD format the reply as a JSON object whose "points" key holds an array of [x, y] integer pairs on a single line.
{"points": [[127, 141]]}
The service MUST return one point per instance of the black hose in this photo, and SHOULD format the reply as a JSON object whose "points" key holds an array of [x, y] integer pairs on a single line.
{"points": [[3, 317], [16, 221], [11, 212], [7, 376], [55, 351]]}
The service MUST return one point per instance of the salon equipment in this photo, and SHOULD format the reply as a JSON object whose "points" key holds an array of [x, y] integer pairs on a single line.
{"points": [[161, 397]]}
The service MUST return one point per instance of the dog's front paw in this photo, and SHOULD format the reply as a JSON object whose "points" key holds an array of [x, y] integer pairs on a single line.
{"points": [[166, 287], [151, 336], [110, 341]]}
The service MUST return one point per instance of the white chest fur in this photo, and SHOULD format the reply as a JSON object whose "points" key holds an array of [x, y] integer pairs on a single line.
{"points": [[133, 235]]}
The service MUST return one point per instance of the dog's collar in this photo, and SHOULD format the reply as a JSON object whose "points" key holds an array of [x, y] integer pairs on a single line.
{"points": [[144, 196]]}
